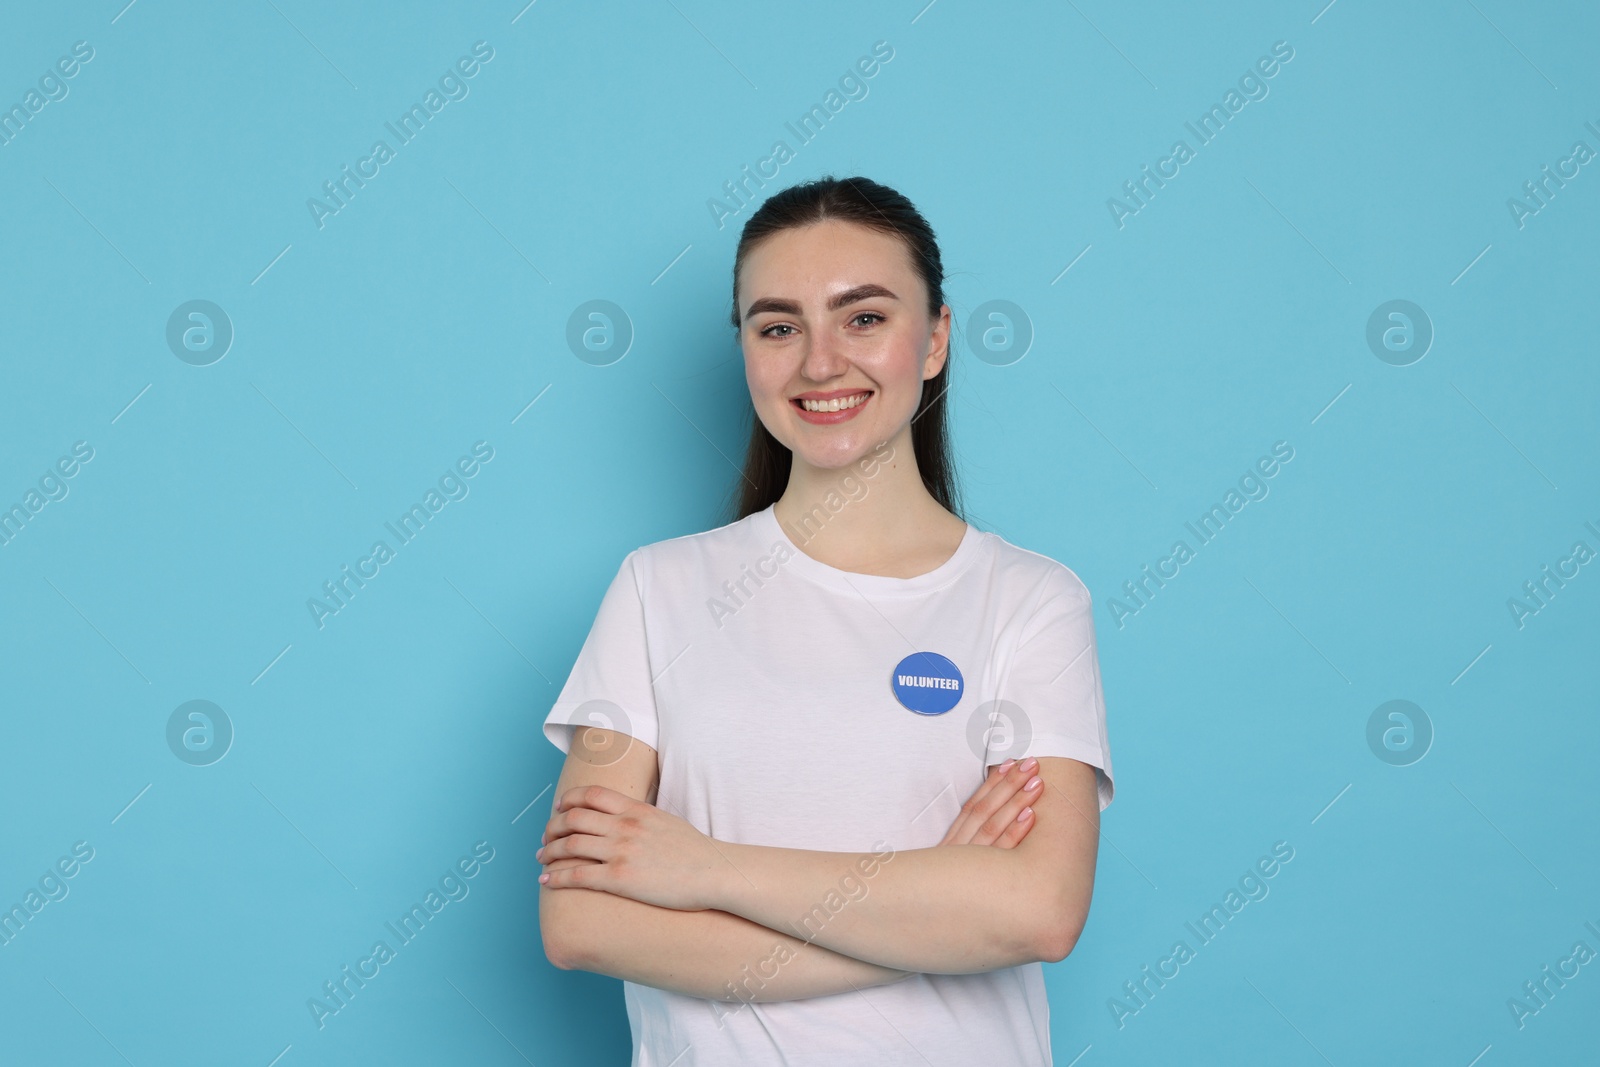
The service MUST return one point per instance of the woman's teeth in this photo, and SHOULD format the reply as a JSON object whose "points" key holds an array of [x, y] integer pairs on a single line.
{"points": [[836, 404]]}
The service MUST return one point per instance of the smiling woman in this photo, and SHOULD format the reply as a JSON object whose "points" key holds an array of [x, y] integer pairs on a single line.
{"points": [[899, 661]]}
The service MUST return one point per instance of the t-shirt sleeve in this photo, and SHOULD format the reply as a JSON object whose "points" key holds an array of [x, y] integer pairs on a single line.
{"points": [[1053, 683], [610, 682]]}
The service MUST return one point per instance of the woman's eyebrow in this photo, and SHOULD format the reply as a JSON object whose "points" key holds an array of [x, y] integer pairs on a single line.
{"points": [[784, 306]]}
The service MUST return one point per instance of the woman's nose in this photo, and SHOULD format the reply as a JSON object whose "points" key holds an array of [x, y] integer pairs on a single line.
{"points": [[824, 358]]}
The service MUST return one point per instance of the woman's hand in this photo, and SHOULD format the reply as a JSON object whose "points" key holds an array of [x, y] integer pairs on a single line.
{"points": [[991, 815], [631, 849]]}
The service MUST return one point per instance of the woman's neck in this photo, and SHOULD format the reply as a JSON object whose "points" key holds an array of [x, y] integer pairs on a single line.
{"points": [[872, 516]]}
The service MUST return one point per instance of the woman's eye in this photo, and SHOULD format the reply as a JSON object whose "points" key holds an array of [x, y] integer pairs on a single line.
{"points": [[872, 317]]}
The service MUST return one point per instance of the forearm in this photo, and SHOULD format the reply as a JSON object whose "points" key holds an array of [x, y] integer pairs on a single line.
{"points": [[954, 909], [710, 954]]}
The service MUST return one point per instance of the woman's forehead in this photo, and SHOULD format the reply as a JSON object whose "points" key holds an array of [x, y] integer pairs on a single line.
{"points": [[806, 261]]}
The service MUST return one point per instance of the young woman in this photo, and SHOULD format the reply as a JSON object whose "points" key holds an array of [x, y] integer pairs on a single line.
{"points": [[772, 726]]}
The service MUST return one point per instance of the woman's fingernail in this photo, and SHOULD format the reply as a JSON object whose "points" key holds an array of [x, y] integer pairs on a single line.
{"points": [[1029, 764], [1033, 783], [544, 878], [539, 853], [1006, 766], [1022, 816]]}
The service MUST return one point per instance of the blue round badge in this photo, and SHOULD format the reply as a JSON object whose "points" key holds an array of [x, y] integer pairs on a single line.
{"points": [[927, 683]]}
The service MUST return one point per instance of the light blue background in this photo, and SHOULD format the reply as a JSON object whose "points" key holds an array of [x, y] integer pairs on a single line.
{"points": [[428, 314]]}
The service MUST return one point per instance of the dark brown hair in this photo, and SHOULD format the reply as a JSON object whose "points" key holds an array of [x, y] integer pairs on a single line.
{"points": [[865, 202]]}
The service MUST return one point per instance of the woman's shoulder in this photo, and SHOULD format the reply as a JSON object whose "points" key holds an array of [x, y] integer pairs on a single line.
{"points": [[688, 552], [1055, 577]]}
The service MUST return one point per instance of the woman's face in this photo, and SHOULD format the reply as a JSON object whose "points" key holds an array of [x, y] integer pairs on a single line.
{"points": [[834, 311]]}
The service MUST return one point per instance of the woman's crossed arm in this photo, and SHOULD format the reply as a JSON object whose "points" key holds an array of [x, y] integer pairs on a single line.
{"points": [[712, 953]]}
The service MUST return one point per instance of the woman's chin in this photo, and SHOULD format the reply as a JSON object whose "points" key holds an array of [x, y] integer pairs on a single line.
{"points": [[835, 455]]}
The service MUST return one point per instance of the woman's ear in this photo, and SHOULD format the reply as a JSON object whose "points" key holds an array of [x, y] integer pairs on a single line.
{"points": [[938, 344]]}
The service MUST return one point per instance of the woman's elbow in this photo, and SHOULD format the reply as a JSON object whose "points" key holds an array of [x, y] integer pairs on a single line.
{"points": [[1058, 941], [558, 957], [554, 950], [555, 931], [1062, 924]]}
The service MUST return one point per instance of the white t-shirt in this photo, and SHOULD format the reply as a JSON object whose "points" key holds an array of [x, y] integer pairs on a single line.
{"points": [[777, 694]]}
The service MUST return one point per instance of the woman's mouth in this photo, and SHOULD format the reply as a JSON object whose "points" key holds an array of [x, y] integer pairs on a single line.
{"points": [[832, 410]]}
